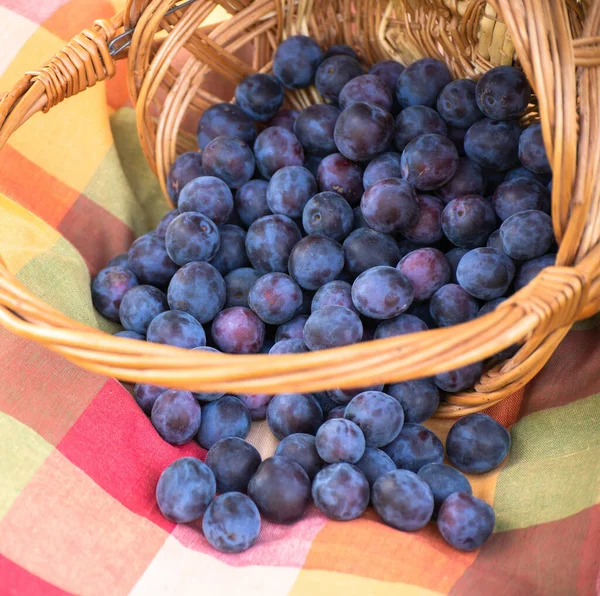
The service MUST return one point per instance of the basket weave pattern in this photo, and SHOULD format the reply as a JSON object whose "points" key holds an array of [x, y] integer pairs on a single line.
{"points": [[171, 59]]}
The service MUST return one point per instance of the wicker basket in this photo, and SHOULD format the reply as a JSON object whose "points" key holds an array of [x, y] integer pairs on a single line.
{"points": [[172, 55]]}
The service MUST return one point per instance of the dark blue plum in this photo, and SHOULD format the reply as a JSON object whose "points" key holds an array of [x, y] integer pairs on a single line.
{"points": [[469, 179], [259, 95], [238, 284], [378, 415], [468, 221], [503, 93], [340, 49], [340, 440], [291, 413], [233, 462], [429, 161], [238, 330], [485, 273], [256, 403], [389, 71], [366, 88], [296, 60], [415, 121], [315, 260], [275, 298], [457, 104], [284, 118], [341, 492], [419, 399], [184, 490], [493, 144], [225, 417], [300, 448], [400, 325], [374, 463], [289, 190], [229, 159], [198, 289], [460, 378], [208, 195], [362, 131], [451, 305], [184, 169], [443, 481], [345, 396], [163, 224], [421, 82], [145, 395], [532, 153], [453, 257], [122, 259], [520, 194], [382, 293], [415, 447], [402, 500], [427, 270], [130, 335], [225, 119], [270, 241], [276, 148], [176, 416], [192, 237], [341, 175], [334, 293], [365, 248], [527, 235], [386, 165], [328, 214], [390, 205], [231, 523], [251, 201], [293, 329], [465, 522], [232, 250], [477, 444], [109, 288], [334, 73], [139, 306], [332, 327], [281, 490], [289, 346], [314, 129], [531, 269], [176, 328], [427, 228]]}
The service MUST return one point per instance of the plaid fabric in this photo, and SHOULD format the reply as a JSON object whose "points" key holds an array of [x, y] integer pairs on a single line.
{"points": [[79, 461]]}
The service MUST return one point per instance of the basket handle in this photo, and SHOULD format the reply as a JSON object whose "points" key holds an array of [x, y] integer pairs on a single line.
{"points": [[82, 63]]}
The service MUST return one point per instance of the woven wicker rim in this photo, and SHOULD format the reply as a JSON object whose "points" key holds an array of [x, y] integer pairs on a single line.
{"points": [[558, 47]]}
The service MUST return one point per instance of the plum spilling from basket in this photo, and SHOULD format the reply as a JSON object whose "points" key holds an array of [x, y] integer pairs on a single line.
{"points": [[404, 202]]}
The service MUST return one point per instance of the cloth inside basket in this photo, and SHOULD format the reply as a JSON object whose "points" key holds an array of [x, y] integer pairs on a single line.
{"points": [[80, 461]]}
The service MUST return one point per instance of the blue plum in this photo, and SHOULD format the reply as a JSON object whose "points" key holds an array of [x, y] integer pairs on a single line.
{"points": [[415, 447], [477, 444], [185, 489], [231, 523]]}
